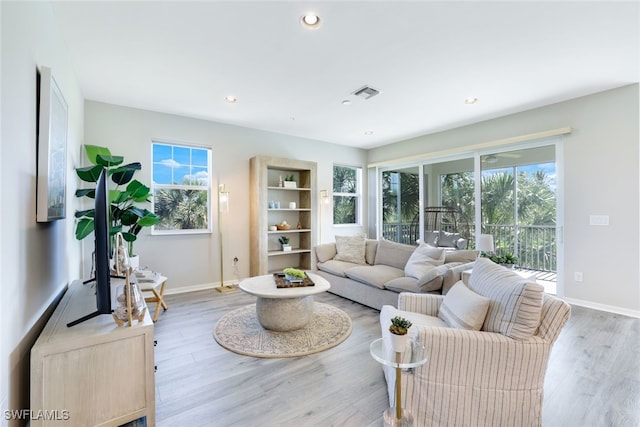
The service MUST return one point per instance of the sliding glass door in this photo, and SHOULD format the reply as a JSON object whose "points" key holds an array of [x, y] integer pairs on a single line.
{"points": [[511, 195], [400, 203]]}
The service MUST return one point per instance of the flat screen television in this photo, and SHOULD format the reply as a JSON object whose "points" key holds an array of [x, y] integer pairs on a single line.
{"points": [[102, 277]]}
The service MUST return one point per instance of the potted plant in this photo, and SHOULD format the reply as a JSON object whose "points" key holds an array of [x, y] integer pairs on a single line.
{"points": [[508, 260], [290, 181], [126, 197], [284, 241], [293, 274], [399, 328]]}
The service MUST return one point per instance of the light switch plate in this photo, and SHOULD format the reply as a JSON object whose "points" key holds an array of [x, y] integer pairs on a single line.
{"points": [[599, 220]]}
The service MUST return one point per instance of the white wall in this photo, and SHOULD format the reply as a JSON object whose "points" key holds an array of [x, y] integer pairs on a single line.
{"points": [[601, 174], [193, 260], [38, 260]]}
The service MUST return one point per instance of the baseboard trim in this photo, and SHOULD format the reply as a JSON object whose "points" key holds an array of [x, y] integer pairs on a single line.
{"points": [[604, 307], [194, 288]]}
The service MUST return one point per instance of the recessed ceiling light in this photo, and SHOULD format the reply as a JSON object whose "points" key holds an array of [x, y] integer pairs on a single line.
{"points": [[346, 102], [310, 21], [230, 99], [368, 132], [471, 100]]}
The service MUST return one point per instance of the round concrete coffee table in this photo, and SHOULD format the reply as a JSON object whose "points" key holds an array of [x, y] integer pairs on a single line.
{"points": [[283, 309]]}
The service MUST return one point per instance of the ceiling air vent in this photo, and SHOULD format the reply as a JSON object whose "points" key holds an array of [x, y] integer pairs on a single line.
{"points": [[366, 92]]}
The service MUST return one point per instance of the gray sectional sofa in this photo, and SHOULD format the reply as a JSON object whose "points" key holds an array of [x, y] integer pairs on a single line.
{"points": [[381, 269]]}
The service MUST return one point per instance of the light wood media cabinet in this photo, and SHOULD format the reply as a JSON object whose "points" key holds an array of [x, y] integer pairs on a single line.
{"points": [[99, 373]]}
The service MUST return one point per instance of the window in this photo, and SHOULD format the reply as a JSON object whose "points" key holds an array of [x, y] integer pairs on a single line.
{"points": [[181, 188], [346, 194]]}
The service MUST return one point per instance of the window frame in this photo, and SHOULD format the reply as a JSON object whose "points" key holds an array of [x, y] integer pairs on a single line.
{"points": [[208, 188], [357, 195]]}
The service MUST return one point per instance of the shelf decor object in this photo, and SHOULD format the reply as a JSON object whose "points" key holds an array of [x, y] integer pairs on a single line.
{"points": [[223, 207], [292, 183], [130, 304]]}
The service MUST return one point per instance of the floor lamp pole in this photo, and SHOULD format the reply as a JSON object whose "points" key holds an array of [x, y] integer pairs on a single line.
{"points": [[223, 206]]}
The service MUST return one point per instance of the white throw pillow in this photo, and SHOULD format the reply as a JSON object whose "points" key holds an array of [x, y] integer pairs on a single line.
{"points": [[464, 309], [350, 249], [423, 259]]}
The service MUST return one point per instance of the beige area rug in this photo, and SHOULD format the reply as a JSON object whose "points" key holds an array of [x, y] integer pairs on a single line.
{"points": [[240, 332]]}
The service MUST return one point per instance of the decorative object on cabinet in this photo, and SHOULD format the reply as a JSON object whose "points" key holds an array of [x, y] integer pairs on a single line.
{"points": [[130, 305], [284, 241], [267, 256], [223, 207], [283, 226], [290, 181], [52, 150]]}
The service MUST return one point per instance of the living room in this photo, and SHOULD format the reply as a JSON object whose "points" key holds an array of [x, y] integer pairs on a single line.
{"points": [[38, 261]]}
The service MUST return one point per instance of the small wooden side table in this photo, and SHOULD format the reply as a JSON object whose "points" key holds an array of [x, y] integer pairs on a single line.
{"points": [[155, 284]]}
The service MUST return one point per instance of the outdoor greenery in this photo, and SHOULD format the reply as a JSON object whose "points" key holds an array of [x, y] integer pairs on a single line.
{"points": [[345, 183], [409, 187], [535, 206], [181, 208]]}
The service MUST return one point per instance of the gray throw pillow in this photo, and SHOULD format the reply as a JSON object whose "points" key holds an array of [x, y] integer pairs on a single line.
{"points": [[448, 240]]}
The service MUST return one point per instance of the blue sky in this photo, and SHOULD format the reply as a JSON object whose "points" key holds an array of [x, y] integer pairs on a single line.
{"points": [[173, 164]]}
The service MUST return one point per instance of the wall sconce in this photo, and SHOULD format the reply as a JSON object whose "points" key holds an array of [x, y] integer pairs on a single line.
{"points": [[223, 206], [223, 199], [324, 197]]}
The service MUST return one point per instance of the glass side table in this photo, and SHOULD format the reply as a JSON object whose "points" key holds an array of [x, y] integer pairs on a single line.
{"points": [[412, 357]]}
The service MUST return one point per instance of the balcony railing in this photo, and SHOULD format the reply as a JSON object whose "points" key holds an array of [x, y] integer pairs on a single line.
{"points": [[535, 246]]}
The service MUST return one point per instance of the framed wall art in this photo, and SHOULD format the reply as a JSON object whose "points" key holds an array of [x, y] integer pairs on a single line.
{"points": [[52, 150]]}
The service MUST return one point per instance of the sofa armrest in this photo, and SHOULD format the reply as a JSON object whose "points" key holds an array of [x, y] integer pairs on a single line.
{"points": [[486, 360], [428, 304], [323, 252]]}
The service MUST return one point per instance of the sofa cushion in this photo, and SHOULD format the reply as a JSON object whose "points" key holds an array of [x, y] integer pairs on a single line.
{"points": [[448, 240], [350, 249], [431, 237], [370, 247], [403, 284], [460, 256], [374, 275], [423, 259], [335, 267], [432, 279], [454, 274], [326, 251], [516, 303], [393, 254], [464, 309]]}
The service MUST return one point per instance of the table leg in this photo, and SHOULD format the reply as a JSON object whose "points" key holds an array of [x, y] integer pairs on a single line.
{"points": [[398, 387]]}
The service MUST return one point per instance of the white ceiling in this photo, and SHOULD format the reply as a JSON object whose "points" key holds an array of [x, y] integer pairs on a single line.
{"points": [[425, 57]]}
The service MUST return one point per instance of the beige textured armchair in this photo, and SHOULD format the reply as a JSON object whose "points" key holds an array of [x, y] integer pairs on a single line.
{"points": [[476, 377]]}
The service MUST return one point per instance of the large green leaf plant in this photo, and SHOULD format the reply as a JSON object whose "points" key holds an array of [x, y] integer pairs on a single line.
{"points": [[126, 216]]}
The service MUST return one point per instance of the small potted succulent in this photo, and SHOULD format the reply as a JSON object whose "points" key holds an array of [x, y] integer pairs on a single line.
{"points": [[399, 328], [290, 181], [284, 241]]}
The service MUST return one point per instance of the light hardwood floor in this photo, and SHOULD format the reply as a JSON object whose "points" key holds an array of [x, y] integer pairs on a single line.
{"points": [[593, 377]]}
